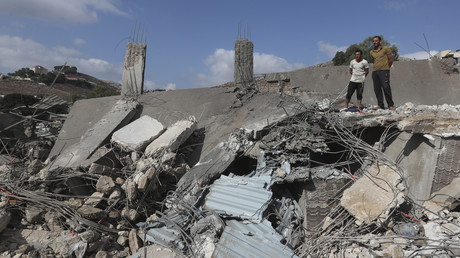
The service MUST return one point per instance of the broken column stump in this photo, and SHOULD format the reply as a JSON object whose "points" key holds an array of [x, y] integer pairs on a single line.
{"points": [[243, 72], [133, 73]]}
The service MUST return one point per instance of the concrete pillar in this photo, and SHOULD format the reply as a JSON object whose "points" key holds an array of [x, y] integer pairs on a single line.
{"points": [[243, 72], [133, 72]]}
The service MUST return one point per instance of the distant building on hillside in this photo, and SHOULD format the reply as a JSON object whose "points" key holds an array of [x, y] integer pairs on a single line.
{"points": [[38, 69]]}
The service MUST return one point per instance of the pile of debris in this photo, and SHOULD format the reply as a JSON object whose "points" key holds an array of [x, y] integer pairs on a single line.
{"points": [[317, 183]]}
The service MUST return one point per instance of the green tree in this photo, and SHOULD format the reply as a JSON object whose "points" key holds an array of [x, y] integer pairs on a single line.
{"points": [[366, 46], [101, 91]]}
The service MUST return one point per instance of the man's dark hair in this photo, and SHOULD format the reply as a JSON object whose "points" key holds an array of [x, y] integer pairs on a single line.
{"points": [[380, 38], [359, 50]]}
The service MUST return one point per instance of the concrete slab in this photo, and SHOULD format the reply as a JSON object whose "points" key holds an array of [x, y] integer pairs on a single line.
{"points": [[418, 157], [372, 196], [172, 138], [138, 134], [120, 114]]}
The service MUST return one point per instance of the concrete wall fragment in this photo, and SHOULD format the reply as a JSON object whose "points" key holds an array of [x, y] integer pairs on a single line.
{"points": [[133, 72]]}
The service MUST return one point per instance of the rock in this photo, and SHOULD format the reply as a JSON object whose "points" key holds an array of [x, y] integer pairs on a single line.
{"points": [[105, 184]]}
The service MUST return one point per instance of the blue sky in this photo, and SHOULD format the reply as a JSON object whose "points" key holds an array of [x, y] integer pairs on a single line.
{"points": [[190, 43]]}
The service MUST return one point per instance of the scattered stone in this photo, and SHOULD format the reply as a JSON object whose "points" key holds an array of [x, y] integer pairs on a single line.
{"points": [[90, 212], [134, 241], [105, 184]]}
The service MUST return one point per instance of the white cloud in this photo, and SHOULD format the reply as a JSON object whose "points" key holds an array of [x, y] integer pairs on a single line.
{"points": [[420, 55], [220, 67], [150, 85], [17, 53], [81, 11], [79, 42], [329, 49]]}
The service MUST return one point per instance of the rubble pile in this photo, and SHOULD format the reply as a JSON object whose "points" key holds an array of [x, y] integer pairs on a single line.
{"points": [[317, 183]]}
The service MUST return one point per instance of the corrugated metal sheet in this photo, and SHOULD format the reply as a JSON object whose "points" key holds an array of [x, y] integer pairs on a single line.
{"points": [[448, 166], [251, 240], [242, 197], [49, 102]]}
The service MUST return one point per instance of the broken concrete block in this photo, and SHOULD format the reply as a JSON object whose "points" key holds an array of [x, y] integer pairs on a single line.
{"points": [[446, 198], [134, 241], [33, 214], [114, 196], [174, 136], [122, 240], [372, 197], [90, 236], [141, 181], [90, 212], [95, 199], [130, 188], [138, 134], [105, 184]]}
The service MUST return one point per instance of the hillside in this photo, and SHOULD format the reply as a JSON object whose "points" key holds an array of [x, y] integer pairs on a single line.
{"points": [[63, 90]]}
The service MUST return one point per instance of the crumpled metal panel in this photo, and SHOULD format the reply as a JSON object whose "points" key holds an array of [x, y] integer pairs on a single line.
{"points": [[251, 240], [243, 197], [448, 166]]}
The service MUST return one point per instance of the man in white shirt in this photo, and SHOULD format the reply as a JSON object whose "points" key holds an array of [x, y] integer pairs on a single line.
{"points": [[359, 68]]}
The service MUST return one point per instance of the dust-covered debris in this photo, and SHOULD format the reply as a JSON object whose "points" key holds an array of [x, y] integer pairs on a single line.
{"points": [[313, 183]]}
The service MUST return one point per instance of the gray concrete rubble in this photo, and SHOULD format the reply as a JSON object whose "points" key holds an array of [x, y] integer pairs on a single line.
{"points": [[224, 172]]}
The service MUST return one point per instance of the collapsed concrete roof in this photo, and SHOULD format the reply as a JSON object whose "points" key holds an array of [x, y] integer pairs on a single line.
{"points": [[220, 147]]}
